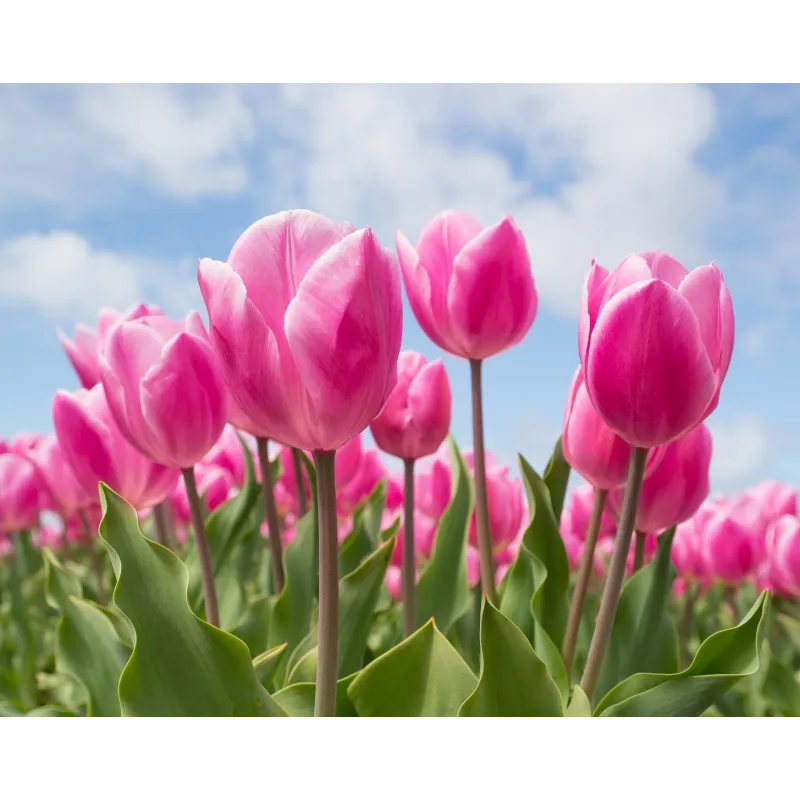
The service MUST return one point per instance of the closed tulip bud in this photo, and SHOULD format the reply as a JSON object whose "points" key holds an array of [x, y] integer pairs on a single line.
{"points": [[416, 418], [677, 486], [591, 448], [306, 317], [577, 514], [55, 473], [655, 343], [96, 450], [688, 550], [730, 549], [19, 494], [471, 289]]}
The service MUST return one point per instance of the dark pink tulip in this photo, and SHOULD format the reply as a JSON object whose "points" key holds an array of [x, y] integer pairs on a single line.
{"points": [[677, 486], [164, 388], [471, 289], [96, 450], [416, 417], [85, 348], [306, 318], [19, 494], [577, 513], [590, 447], [394, 493], [655, 343], [432, 485], [367, 476], [688, 551], [424, 533], [227, 454], [731, 551], [55, 473]]}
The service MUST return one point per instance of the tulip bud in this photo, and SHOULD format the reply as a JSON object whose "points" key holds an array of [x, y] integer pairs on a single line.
{"points": [[19, 494], [655, 343], [730, 549], [416, 418]]}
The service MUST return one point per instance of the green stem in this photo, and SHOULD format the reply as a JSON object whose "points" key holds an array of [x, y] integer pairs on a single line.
{"points": [[584, 576], [409, 571], [638, 553], [616, 572], [302, 500], [204, 554], [328, 619], [271, 515], [88, 542], [481, 498]]}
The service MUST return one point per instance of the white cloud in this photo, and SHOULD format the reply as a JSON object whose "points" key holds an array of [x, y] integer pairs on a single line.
{"points": [[62, 275], [740, 450]]}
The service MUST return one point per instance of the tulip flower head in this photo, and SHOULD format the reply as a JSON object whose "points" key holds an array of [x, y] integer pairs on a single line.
{"points": [[19, 494], [655, 343]]}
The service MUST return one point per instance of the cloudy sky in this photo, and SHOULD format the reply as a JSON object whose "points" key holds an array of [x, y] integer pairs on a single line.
{"points": [[110, 194]]}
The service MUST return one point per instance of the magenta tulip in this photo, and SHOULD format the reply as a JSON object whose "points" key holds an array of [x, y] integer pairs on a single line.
{"points": [[85, 348], [306, 318], [416, 418], [577, 512], [369, 473], [424, 533], [214, 485], [19, 494], [688, 554], [471, 289], [590, 447], [227, 454], [164, 389], [785, 551], [677, 486], [655, 343], [729, 548], [55, 473], [96, 450]]}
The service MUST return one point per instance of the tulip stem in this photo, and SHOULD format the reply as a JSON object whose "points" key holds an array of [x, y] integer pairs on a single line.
{"points": [[638, 553], [302, 501], [481, 498], [616, 572], [160, 524], [409, 571], [93, 557], [328, 620], [206, 568], [271, 514], [584, 575]]}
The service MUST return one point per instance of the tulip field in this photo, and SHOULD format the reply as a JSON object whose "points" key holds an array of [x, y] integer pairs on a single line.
{"points": [[208, 532]]}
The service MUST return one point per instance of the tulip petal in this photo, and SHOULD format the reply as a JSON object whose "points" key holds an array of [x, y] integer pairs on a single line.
{"points": [[344, 328], [184, 401], [247, 353], [591, 299], [429, 404], [82, 353], [491, 298], [648, 373], [664, 267]]}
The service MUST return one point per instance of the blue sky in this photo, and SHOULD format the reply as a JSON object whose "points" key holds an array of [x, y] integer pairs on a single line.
{"points": [[110, 194]]}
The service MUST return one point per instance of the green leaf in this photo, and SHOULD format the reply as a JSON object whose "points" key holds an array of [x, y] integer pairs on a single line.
{"points": [[180, 665], [550, 603], [579, 705], [266, 665], [514, 682], [781, 688], [361, 541], [442, 589], [51, 711], [517, 590], [297, 700], [721, 661], [20, 565], [87, 646], [423, 676], [641, 596], [226, 528], [253, 630], [556, 478]]}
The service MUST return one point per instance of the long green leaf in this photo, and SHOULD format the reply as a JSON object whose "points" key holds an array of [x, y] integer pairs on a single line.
{"points": [[423, 676], [88, 649], [514, 682], [442, 589], [180, 665], [556, 478], [297, 700], [721, 661]]}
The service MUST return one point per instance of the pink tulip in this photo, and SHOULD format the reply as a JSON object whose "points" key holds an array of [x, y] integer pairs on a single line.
{"points": [[574, 547], [416, 418], [393, 582], [688, 554], [432, 485], [306, 318], [164, 389], [24, 443], [424, 533], [227, 454], [367, 476], [48, 536], [96, 450], [471, 289], [85, 349], [214, 485], [286, 486], [19, 494], [394, 493], [604, 548], [590, 447], [577, 513], [775, 498], [655, 343], [677, 486], [473, 566], [55, 473], [729, 548], [785, 540]]}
